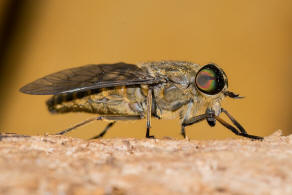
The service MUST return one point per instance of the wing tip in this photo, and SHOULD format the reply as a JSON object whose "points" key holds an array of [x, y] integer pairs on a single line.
{"points": [[28, 89], [24, 89]]}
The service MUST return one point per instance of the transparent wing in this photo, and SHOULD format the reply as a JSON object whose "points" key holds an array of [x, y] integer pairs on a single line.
{"points": [[89, 77]]}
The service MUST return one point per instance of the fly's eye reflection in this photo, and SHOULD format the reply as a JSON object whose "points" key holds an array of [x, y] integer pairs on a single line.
{"points": [[210, 80], [206, 80]]}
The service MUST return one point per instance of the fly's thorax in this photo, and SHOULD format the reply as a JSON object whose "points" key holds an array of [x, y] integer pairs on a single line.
{"points": [[172, 97], [179, 72], [171, 100]]}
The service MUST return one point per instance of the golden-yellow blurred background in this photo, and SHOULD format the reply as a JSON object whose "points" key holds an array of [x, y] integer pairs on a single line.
{"points": [[251, 40]]}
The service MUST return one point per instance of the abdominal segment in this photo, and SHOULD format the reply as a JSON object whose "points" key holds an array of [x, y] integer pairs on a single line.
{"points": [[108, 101]]}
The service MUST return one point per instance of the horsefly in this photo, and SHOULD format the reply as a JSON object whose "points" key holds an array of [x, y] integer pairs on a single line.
{"points": [[121, 91]]}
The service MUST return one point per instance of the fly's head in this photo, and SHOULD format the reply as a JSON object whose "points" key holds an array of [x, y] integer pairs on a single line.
{"points": [[211, 82]]}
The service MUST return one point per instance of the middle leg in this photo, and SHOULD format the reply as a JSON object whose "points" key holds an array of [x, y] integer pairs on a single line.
{"points": [[149, 112]]}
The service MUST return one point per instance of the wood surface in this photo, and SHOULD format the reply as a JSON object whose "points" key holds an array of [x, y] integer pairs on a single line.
{"points": [[65, 165]]}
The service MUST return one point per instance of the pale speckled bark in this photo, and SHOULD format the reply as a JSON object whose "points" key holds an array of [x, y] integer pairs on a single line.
{"points": [[60, 164]]}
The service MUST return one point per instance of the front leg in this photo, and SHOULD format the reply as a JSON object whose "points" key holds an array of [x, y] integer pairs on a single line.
{"points": [[193, 120], [241, 131]]}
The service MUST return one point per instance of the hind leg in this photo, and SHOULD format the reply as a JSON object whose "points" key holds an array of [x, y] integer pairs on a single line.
{"points": [[104, 131], [113, 118]]}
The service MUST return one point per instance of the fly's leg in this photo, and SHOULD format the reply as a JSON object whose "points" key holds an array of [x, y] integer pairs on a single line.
{"points": [[148, 116], [236, 132], [183, 131], [154, 107], [193, 120], [211, 114], [114, 118], [241, 131], [104, 131], [186, 117], [79, 125]]}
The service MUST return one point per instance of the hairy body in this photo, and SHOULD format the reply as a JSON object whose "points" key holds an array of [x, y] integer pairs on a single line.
{"points": [[164, 89], [178, 97]]}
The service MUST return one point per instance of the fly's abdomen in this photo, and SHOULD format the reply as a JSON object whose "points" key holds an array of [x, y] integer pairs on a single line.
{"points": [[108, 101]]}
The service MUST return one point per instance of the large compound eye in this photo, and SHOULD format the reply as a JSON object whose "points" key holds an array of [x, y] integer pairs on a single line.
{"points": [[210, 80]]}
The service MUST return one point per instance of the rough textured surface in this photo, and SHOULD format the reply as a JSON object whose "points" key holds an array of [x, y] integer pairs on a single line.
{"points": [[60, 164]]}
